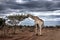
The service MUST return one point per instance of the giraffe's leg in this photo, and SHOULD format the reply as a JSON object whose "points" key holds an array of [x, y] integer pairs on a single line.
{"points": [[40, 30], [36, 29]]}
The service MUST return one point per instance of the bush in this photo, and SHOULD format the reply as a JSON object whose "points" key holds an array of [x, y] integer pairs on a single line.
{"points": [[58, 26], [2, 22]]}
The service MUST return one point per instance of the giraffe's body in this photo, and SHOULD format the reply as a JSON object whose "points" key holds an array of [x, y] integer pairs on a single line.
{"points": [[38, 24]]}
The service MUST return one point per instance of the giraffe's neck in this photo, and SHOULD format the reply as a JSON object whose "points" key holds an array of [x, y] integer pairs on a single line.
{"points": [[34, 17]]}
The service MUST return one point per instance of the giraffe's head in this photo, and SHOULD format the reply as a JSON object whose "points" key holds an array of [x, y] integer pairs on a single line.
{"points": [[29, 15]]}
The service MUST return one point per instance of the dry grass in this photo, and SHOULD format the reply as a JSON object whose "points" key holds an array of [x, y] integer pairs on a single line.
{"points": [[28, 34]]}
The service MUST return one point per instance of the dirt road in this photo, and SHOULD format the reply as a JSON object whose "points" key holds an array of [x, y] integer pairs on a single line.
{"points": [[47, 34]]}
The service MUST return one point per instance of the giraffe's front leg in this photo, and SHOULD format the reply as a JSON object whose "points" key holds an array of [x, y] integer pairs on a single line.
{"points": [[36, 29], [40, 30]]}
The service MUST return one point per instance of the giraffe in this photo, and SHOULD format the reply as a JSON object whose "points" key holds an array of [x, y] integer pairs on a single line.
{"points": [[39, 23]]}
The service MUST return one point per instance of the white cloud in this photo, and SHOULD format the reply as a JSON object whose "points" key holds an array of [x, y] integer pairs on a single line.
{"points": [[49, 0], [21, 1], [47, 13], [51, 19]]}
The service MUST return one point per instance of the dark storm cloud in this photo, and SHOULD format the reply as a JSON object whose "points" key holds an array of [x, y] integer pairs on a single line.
{"points": [[56, 0], [3, 4], [30, 5], [40, 5], [2, 7], [36, 6]]}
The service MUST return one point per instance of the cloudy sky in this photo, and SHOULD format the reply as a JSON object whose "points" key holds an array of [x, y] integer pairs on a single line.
{"points": [[48, 10]]}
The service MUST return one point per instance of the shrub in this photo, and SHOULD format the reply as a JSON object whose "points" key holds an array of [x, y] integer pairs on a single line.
{"points": [[2, 22]]}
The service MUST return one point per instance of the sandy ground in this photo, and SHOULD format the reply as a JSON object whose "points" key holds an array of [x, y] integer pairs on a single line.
{"points": [[47, 34]]}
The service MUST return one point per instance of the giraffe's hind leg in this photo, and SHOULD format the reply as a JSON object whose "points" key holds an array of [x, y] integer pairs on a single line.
{"points": [[40, 30]]}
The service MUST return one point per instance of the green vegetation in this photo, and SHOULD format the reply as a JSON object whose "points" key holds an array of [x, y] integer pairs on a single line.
{"points": [[17, 17], [1, 21]]}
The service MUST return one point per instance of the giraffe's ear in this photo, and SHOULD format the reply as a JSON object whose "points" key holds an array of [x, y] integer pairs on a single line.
{"points": [[29, 14]]}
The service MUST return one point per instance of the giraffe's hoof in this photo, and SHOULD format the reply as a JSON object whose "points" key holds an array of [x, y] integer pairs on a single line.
{"points": [[40, 35], [36, 34]]}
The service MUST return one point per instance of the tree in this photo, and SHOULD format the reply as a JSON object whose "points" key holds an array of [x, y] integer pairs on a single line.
{"points": [[15, 19]]}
